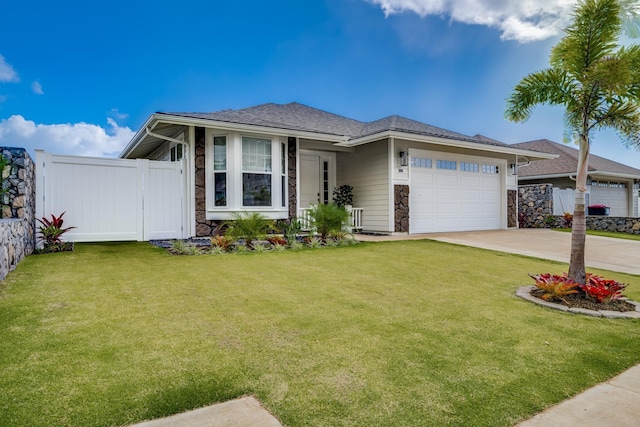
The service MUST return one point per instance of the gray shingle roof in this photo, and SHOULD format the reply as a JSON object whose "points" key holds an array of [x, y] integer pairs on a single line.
{"points": [[567, 162], [295, 116]]}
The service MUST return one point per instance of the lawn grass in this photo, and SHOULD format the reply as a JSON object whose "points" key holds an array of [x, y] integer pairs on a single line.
{"points": [[391, 334], [617, 235]]}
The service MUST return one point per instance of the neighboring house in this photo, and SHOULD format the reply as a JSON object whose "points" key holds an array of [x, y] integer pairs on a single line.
{"points": [[609, 183], [279, 159]]}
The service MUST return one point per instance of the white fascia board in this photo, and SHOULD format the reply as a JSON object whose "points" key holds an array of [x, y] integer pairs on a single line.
{"points": [[531, 155], [190, 121]]}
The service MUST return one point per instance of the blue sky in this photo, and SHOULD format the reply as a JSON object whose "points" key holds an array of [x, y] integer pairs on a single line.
{"points": [[82, 77]]}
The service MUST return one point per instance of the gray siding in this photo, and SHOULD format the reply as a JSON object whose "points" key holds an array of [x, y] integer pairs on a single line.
{"points": [[367, 170]]}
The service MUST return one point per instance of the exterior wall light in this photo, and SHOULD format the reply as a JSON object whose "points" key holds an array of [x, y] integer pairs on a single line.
{"points": [[404, 158]]}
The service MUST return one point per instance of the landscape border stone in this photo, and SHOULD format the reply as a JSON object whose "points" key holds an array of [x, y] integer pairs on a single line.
{"points": [[524, 292]]}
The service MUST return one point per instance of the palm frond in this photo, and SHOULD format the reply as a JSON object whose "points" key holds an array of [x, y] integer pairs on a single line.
{"points": [[592, 36], [550, 86], [630, 18]]}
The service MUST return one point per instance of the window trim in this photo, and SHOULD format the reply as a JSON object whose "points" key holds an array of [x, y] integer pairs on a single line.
{"points": [[278, 209]]}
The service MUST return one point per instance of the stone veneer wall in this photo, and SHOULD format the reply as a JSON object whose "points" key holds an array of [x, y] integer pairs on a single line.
{"points": [[204, 227], [512, 208], [401, 198], [17, 226], [612, 223], [535, 204]]}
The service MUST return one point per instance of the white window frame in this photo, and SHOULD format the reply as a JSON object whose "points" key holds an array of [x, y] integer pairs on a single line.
{"points": [[235, 173]]}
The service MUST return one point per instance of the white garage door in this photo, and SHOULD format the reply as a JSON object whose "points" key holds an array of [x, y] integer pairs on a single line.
{"points": [[454, 193], [612, 194]]}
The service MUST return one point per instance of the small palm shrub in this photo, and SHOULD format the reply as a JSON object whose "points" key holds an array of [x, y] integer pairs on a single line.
{"points": [[328, 218], [290, 229], [250, 226]]}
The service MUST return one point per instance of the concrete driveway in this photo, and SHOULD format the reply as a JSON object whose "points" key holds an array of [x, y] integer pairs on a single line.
{"points": [[601, 252]]}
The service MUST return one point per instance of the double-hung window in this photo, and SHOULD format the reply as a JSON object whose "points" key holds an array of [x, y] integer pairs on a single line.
{"points": [[256, 172], [220, 170]]}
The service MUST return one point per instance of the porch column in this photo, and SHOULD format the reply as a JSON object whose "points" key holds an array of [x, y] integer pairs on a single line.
{"points": [[291, 177]]}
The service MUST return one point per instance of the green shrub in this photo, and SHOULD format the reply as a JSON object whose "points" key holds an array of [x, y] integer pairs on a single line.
{"points": [[343, 195], [180, 247], [329, 218], [291, 230], [249, 226]]}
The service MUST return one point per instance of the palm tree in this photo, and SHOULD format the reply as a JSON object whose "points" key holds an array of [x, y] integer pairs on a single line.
{"points": [[598, 83]]}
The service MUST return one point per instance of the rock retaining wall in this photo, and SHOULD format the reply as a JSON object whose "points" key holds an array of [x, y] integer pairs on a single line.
{"points": [[17, 226], [611, 223], [535, 205], [535, 210]]}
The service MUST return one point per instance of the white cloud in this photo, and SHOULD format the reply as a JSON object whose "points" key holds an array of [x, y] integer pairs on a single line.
{"points": [[521, 20], [82, 139], [118, 115], [36, 87], [7, 73]]}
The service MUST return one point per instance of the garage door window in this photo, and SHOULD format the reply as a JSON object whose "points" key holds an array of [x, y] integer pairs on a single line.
{"points": [[421, 162], [446, 164], [469, 167], [489, 169]]}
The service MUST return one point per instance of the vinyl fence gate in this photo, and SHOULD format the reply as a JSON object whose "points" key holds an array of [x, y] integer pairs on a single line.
{"points": [[112, 199]]}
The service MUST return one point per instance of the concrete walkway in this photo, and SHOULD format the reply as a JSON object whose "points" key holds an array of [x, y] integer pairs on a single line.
{"points": [[613, 403], [243, 412]]}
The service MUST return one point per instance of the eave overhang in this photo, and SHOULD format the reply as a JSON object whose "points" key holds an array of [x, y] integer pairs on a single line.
{"points": [[160, 118]]}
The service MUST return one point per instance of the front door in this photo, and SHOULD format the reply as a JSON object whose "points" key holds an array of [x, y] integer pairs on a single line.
{"points": [[310, 188]]}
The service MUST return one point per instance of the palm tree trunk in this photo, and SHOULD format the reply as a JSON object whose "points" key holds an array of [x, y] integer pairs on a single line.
{"points": [[577, 270]]}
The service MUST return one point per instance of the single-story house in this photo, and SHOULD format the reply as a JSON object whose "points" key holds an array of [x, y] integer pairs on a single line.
{"points": [[278, 159], [610, 183]]}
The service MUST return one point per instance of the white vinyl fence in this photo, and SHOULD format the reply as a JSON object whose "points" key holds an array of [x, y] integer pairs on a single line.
{"points": [[111, 199], [564, 200]]}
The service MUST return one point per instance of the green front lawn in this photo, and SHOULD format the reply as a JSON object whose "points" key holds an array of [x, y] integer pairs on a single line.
{"points": [[388, 334]]}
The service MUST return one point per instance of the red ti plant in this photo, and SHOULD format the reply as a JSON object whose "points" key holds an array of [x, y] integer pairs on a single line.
{"points": [[51, 230], [601, 289], [277, 240], [555, 286]]}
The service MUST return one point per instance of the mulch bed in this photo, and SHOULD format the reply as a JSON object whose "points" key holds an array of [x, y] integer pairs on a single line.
{"points": [[578, 301]]}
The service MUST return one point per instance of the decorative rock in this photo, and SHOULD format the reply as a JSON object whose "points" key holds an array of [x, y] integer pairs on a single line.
{"points": [[535, 204], [17, 228]]}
